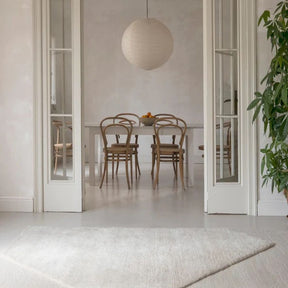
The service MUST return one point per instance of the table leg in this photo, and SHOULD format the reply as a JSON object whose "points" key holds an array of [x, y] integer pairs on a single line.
{"points": [[91, 158]]}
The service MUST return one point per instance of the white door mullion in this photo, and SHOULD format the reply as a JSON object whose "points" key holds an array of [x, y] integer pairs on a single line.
{"points": [[232, 90], [63, 183], [226, 192], [221, 91]]}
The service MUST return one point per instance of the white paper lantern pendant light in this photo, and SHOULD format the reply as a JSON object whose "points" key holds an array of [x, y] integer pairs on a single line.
{"points": [[147, 43]]}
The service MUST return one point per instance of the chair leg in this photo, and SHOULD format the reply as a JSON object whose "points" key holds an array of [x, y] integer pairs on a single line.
{"points": [[112, 166], [157, 172], [117, 165], [104, 172], [153, 163], [136, 169], [174, 162], [229, 162], [131, 167], [107, 170], [138, 166], [55, 164], [127, 171], [181, 170]]}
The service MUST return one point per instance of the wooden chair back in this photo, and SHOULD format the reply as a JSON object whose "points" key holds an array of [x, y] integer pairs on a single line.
{"points": [[170, 122], [227, 126], [134, 118], [165, 115], [123, 126]]}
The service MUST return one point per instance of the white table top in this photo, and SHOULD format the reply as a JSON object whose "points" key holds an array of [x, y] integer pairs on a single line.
{"points": [[143, 130], [148, 128]]}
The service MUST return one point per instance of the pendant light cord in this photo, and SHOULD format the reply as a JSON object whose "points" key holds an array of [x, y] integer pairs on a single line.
{"points": [[147, 9]]}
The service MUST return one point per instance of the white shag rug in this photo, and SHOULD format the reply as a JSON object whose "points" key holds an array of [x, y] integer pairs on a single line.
{"points": [[129, 257]]}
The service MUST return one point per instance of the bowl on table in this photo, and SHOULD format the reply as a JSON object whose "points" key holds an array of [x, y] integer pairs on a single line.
{"points": [[147, 121]]}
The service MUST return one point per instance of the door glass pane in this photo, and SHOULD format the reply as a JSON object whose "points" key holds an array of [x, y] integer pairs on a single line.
{"points": [[225, 24], [60, 24], [227, 150], [61, 82], [226, 83], [62, 148]]}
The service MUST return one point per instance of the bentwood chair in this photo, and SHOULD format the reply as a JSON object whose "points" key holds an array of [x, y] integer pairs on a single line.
{"points": [[226, 146], [115, 126], [170, 145], [59, 148], [173, 154], [135, 120]]}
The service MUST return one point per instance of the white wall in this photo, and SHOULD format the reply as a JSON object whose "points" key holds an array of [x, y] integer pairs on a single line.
{"points": [[112, 85], [269, 204], [16, 105]]}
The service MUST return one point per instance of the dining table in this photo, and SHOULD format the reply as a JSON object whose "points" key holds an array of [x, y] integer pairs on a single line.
{"points": [[95, 131]]}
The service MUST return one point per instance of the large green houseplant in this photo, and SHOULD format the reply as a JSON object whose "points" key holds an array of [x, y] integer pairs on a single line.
{"points": [[273, 101]]}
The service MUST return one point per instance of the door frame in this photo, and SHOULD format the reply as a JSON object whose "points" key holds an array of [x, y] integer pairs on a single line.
{"points": [[250, 22], [248, 37], [38, 106], [38, 113]]}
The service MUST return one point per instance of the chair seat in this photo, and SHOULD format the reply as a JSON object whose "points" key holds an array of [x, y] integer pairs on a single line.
{"points": [[170, 151], [225, 147], [61, 146], [132, 145], [117, 150], [164, 145]]}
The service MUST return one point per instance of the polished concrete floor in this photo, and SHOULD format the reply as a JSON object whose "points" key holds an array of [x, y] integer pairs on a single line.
{"points": [[168, 206]]}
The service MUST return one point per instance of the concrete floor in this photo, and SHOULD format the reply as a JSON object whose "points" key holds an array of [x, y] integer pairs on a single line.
{"points": [[168, 206]]}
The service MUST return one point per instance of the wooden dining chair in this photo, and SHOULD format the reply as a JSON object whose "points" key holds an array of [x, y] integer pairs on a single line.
{"points": [[117, 126], [135, 120], [170, 145], [226, 147], [59, 148], [173, 154]]}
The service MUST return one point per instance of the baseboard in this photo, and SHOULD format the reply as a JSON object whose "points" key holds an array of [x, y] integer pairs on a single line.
{"points": [[272, 208], [16, 204]]}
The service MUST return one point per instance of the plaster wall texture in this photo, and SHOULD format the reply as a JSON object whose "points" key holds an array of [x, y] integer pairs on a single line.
{"points": [[112, 85], [16, 99], [264, 56]]}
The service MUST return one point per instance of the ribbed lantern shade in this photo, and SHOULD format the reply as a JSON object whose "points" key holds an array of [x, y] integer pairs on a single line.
{"points": [[147, 43]]}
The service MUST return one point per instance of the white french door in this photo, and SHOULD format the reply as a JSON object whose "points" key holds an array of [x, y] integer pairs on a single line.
{"points": [[227, 87], [61, 105]]}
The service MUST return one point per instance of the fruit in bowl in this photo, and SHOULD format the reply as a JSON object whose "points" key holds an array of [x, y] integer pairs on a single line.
{"points": [[147, 119]]}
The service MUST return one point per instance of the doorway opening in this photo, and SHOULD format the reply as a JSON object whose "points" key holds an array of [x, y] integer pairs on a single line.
{"points": [[111, 86], [101, 83]]}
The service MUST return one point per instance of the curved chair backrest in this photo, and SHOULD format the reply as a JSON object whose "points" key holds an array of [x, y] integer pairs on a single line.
{"points": [[170, 122], [118, 125], [227, 127], [134, 118], [165, 115]]}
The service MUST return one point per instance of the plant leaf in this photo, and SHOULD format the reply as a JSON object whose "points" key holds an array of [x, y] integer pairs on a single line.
{"points": [[285, 130], [253, 103], [262, 165], [264, 16], [256, 113], [284, 95]]}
